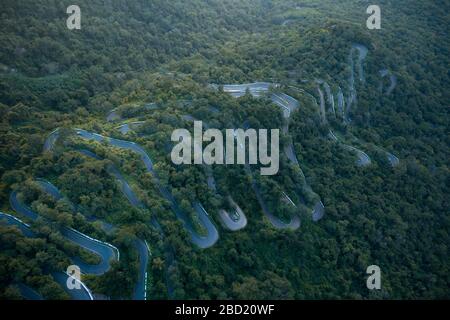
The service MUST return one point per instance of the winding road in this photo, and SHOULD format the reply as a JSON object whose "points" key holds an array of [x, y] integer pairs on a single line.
{"points": [[201, 241], [392, 78], [363, 159], [61, 278], [105, 251], [140, 291], [288, 104], [345, 106], [236, 220], [362, 54]]}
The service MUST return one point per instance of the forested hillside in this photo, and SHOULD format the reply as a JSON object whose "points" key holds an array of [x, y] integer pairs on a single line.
{"points": [[85, 141]]}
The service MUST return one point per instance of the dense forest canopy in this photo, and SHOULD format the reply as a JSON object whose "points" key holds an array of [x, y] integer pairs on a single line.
{"points": [[150, 65]]}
